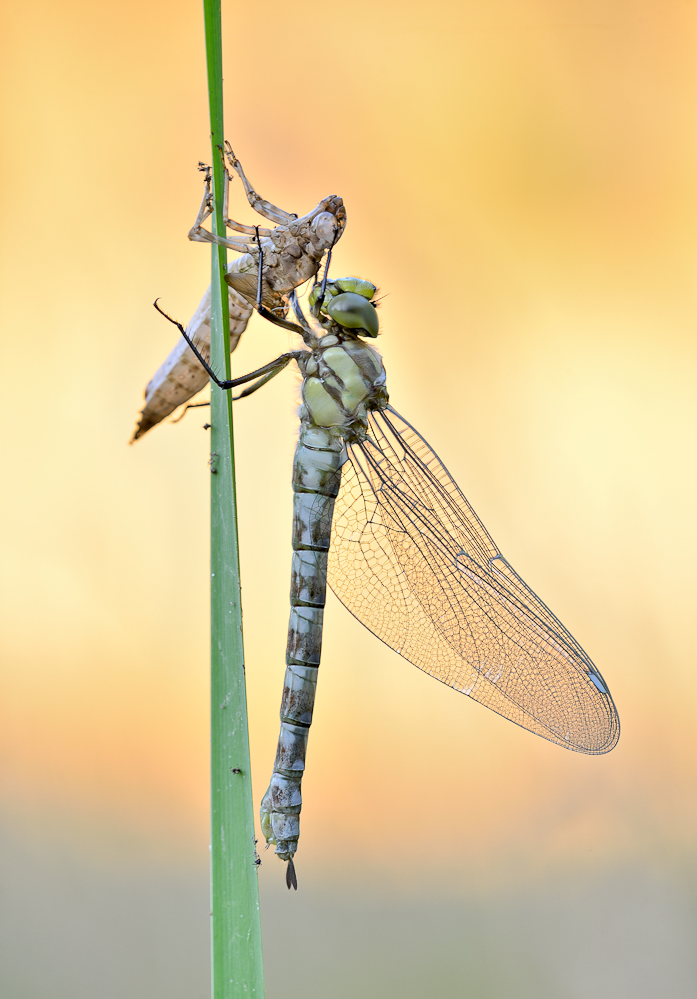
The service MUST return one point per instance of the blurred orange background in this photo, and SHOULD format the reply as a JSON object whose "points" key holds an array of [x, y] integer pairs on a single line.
{"points": [[520, 181]]}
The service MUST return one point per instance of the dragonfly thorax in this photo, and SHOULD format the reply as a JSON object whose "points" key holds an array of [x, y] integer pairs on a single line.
{"points": [[343, 379]]}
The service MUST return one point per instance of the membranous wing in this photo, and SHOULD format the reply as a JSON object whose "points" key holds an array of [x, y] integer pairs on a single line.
{"points": [[413, 562]]}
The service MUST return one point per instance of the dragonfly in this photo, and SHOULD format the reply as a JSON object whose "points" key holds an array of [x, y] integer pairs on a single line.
{"points": [[378, 518], [293, 251]]}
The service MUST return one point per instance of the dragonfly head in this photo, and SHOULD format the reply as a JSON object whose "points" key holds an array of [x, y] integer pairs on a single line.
{"points": [[347, 303]]}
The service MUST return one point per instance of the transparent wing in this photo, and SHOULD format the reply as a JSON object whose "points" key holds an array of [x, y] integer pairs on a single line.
{"points": [[413, 562]]}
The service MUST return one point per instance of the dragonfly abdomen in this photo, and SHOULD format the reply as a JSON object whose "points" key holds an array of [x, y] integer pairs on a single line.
{"points": [[316, 480]]}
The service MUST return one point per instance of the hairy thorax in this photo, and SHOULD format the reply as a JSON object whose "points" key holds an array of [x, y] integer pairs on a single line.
{"points": [[343, 379]]}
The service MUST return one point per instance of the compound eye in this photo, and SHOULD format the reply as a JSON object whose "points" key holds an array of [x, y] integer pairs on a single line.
{"points": [[354, 312], [365, 288]]}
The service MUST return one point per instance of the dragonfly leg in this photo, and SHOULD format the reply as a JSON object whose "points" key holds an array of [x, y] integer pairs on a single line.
{"points": [[192, 405], [270, 369], [317, 307], [242, 395], [260, 205], [262, 381], [310, 338], [206, 208], [200, 235], [249, 230]]}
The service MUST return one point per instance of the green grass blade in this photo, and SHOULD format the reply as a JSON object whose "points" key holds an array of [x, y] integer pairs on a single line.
{"points": [[236, 929]]}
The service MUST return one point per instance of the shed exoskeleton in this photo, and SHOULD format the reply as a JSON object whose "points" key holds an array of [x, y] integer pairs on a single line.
{"points": [[292, 253]]}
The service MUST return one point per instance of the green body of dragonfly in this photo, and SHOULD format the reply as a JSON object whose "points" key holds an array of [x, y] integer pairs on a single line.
{"points": [[377, 516]]}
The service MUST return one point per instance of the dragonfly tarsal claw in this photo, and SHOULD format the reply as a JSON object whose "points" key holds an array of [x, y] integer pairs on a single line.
{"points": [[291, 879], [232, 159]]}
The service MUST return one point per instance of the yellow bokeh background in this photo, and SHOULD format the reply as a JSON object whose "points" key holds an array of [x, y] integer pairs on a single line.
{"points": [[519, 177]]}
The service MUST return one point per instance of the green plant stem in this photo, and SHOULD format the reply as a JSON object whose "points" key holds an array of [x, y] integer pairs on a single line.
{"points": [[236, 928]]}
